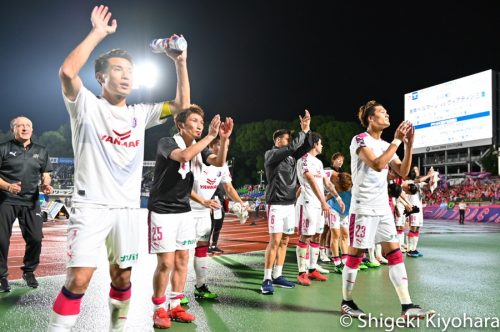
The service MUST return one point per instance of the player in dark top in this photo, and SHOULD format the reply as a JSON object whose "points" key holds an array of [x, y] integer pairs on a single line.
{"points": [[171, 226], [281, 174], [22, 165]]}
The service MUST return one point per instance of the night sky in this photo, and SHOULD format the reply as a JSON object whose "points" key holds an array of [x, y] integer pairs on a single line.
{"points": [[255, 60]]}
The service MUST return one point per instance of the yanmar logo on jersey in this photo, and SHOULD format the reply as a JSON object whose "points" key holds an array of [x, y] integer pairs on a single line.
{"points": [[121, 139], [210, 184]]}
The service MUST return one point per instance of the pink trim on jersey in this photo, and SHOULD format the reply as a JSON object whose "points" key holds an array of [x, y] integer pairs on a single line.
{"points": [[360, 140], [304, 159], [395, 257], [399, 232], [353, 262], [65, 306], [158, 300], [201, 251], [301, 214], [352, 221], [391, 205], [120, 295]]}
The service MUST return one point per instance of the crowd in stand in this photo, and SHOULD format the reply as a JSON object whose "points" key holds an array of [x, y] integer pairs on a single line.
{"points": [[63, 176], [468, 189]]}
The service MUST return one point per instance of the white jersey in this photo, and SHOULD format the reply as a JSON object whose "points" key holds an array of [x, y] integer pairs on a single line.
{"points": [[369, 191], [108, 143], [207, 182], [310, 164], [416, 199]]}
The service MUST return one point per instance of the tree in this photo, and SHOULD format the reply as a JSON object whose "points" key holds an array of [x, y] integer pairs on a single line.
{"points": [[5, 136], [248, 148], [55, 143], [152, 137], [336, 137], [490, 162], [253, 139]]}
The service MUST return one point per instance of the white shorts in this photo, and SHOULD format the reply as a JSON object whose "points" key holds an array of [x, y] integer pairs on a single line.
{"points": [[333, 221], [344, 221], [281, 219], [311, 220], [365, 231], [400, 221], [171, 232], [91, 228], [203, 224], [416, 219]]}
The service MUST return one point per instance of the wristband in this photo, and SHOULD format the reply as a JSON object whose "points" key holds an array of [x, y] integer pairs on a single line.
{"points": [[397, 142], [338, 198]]}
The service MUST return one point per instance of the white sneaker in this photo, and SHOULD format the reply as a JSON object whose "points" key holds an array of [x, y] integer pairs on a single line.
{"points": [[321, 269], [382, 260], [324, 257]]}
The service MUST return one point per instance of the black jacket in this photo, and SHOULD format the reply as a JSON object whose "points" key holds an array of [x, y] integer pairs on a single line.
{"points": [[281, 172]]}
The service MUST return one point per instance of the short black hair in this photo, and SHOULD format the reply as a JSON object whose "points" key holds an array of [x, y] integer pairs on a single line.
{"points": [[315, 137], [101, 63], [412, 188], [279, 133], [182, 116]]}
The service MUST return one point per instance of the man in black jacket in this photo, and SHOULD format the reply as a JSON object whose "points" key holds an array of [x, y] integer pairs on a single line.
{"points": [[281, 173], [22, 165]]}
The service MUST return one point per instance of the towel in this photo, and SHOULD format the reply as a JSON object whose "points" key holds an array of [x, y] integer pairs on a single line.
{"points": [[195, 165]]}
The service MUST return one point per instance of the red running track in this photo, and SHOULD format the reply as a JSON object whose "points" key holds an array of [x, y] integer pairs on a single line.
{"points": [[234, 239]]}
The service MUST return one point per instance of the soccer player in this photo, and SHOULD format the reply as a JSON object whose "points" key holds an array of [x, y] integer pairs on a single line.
{"points": [[313, 209], [416, 220], [108, 142], [281, 173], [206, 181], [371, 219], [339, 229], [172, 227]]}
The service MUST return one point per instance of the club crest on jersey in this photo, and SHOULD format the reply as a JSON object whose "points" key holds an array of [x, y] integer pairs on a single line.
{"points": [[120, 139], [134, 122]]}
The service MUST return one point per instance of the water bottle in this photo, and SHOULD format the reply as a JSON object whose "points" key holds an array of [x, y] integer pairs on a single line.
{"points": [[161, 45], [217, 212]]}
